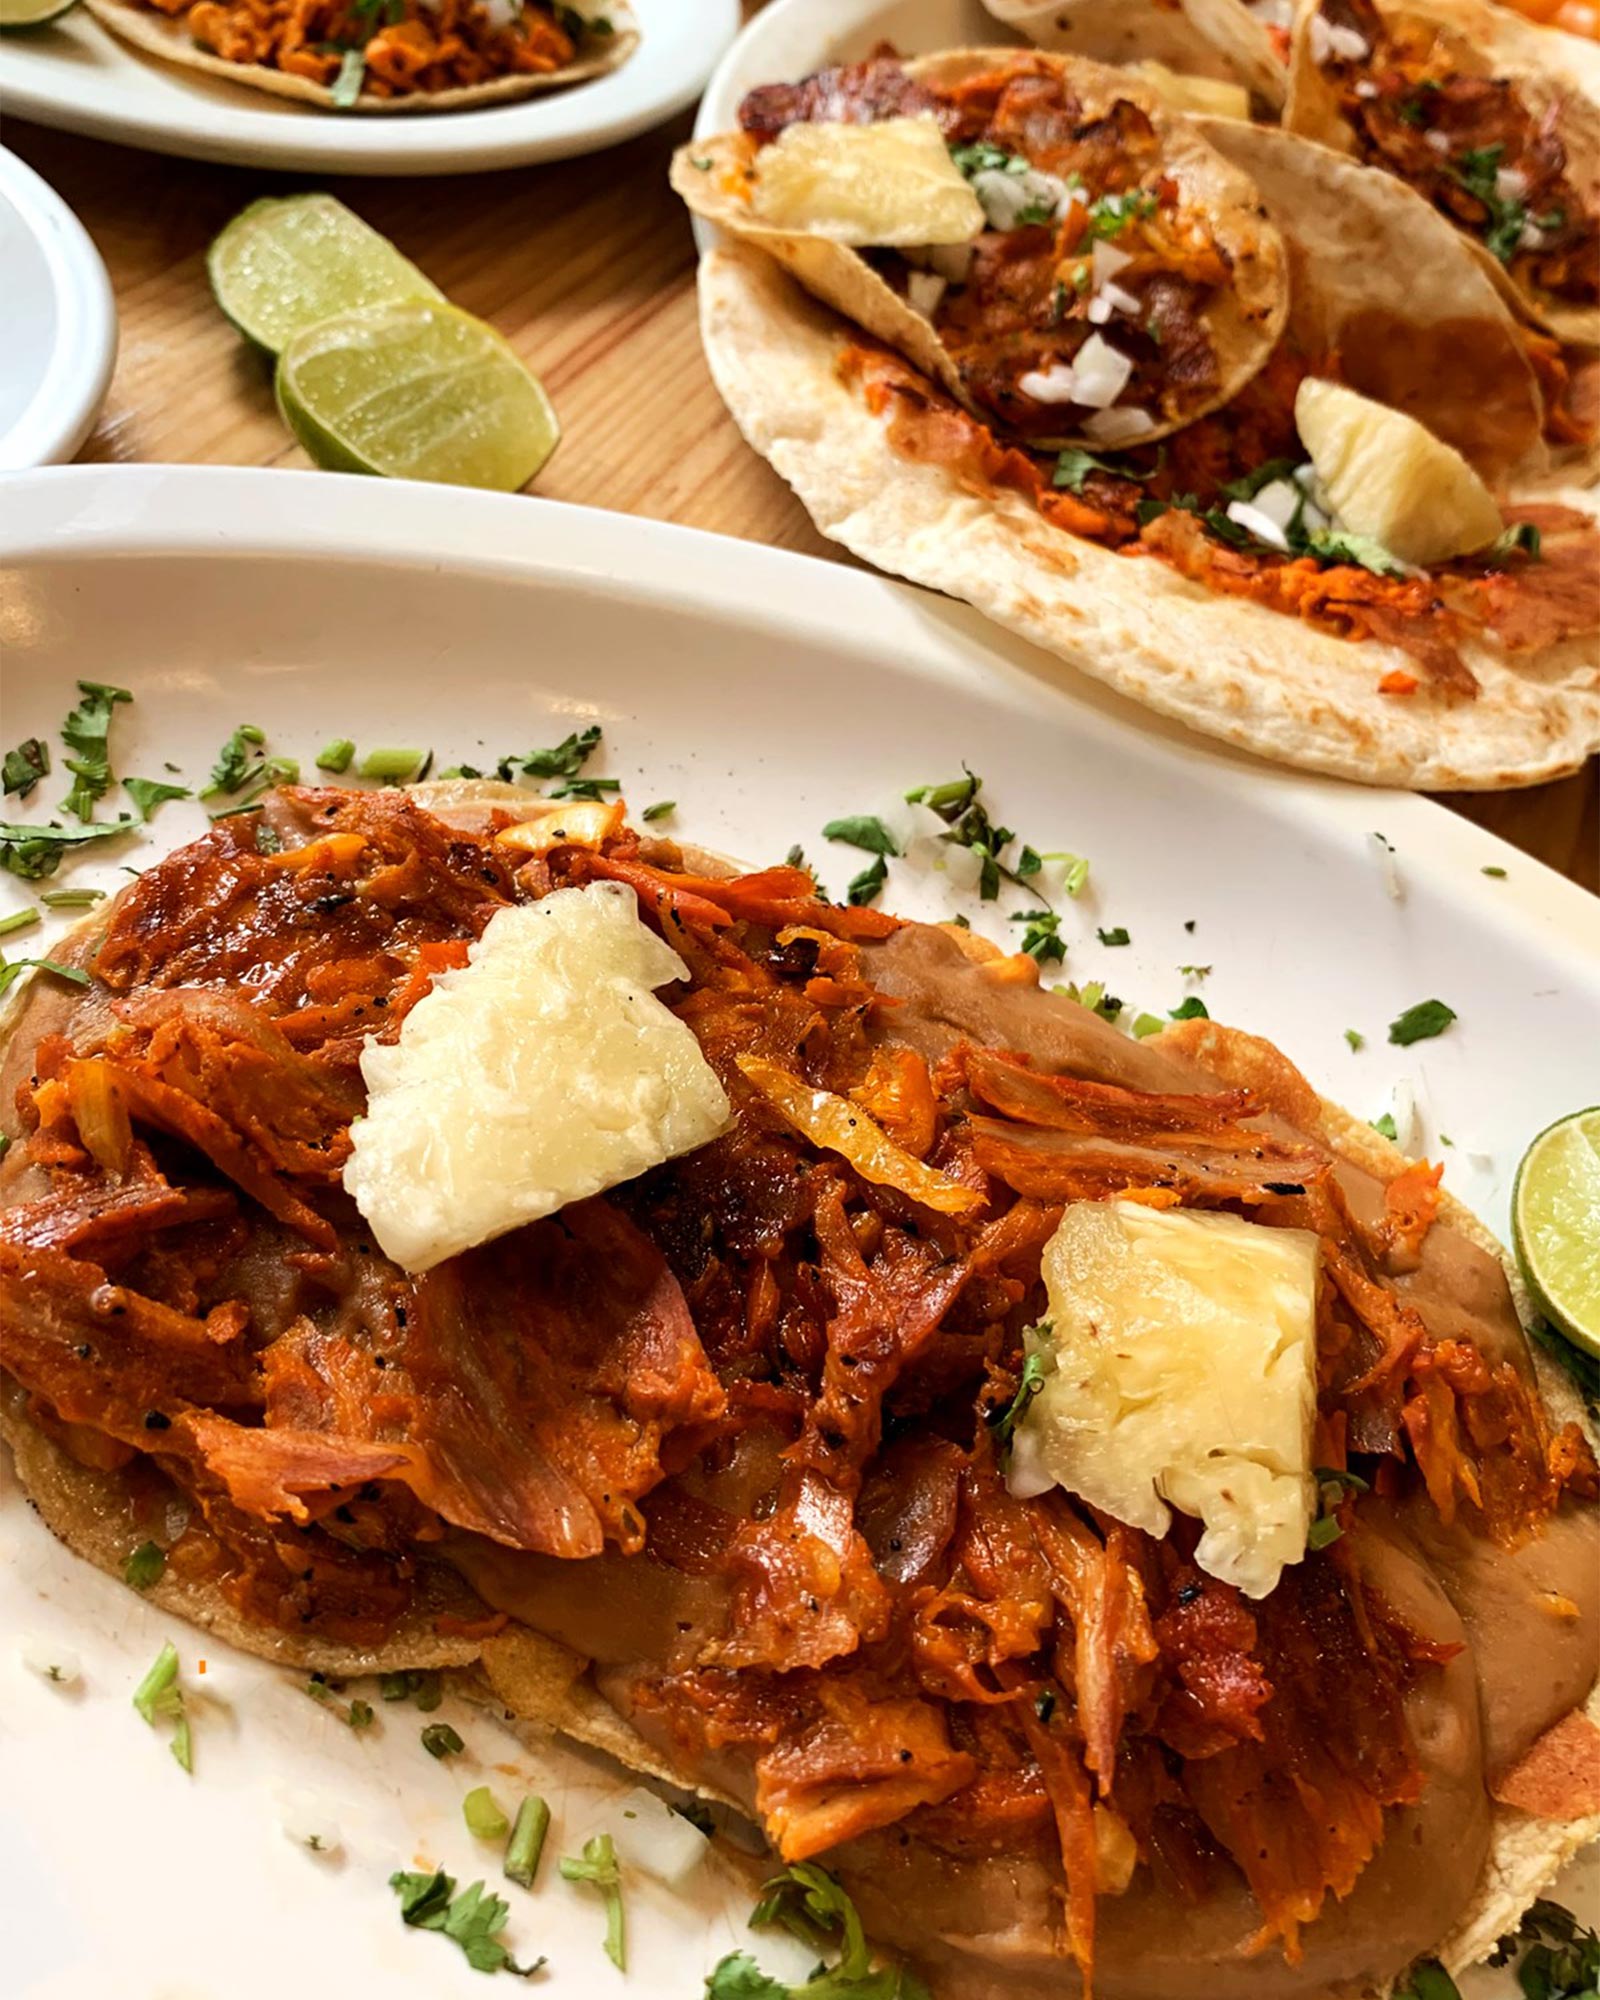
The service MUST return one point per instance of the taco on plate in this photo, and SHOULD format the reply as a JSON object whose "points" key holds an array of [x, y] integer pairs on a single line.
{"points": [[974, 209], [1218, 41], [382, 55], [1491, 118], [719, 1375], [1355, 559]]}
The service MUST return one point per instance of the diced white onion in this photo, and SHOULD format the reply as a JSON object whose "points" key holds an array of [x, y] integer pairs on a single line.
{"points": [[1056, 384], [963, 867], [1510, 184], [1111, 427], [1389, 867], [917, 831], [1099, 310], [1328, 40], [1121, 301], [924, 290], [952, 261], [1439, 141], [1273, 13], [1280, 500], [1366, 88], [1005, 196], [58, 1664], [655, 1838], [305, 1820], [1106, 260], [1100, 373], [1254, 522], [1482, 1163], [1531, 236]]}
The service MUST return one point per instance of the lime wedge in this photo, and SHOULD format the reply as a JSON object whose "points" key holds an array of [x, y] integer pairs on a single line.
{"points": [[283, 264], [32, 13], [1555, 1225], [416, 390]]}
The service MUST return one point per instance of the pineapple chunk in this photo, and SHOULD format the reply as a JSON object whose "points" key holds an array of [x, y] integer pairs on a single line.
{"points": [[1181, 1373], [1205, 96], [893, 185], [1387, 476], [543, 1070]]}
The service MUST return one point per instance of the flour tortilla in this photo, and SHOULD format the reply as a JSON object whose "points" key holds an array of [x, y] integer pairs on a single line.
{"points": [[1377, 275], [167, 36], [1219, 38], [541, 1688], [1244, 323], [1228, 667], [1558, 75]]}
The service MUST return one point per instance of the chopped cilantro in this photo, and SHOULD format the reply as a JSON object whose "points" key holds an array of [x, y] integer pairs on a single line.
{"points": [[983, 158], [598, 1867], [1251, 483], [25, 766], [1385, 1126], [659, 810], [146, 1566], [863, 830], [1420, 1023], [1004, 1421], [233, 760], [148, 793], [471, 1920], [87, 730], [586, 788], [1116, 935], [1073, 467], [1191, 1009], [1427, 1980], [1042, 939], [1111, 213], [1478, 171], [1195, 971], [808, 1902], [1074, 871], [864, 887], [1093, 995], [1337, 545], [566, 760], [1355, 1038]]}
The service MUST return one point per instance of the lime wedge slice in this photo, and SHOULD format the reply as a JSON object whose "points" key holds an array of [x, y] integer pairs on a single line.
{"points": [[32, 13], [283, 264], [1555, 1225], [416, 390]]}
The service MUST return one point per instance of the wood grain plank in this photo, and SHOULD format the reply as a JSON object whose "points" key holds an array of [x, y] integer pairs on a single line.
{"points": [[587, 268]]}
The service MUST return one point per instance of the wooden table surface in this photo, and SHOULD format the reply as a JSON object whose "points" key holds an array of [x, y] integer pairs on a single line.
{"points": [[587, 267]]}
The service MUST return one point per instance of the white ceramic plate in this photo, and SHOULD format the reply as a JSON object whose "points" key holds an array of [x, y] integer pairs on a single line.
{"points": [[766, 694], [77, 75], [58, 326]]}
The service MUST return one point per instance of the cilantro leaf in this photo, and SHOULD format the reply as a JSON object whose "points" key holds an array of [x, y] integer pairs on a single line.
{"points": [[159, 1698], [1003, 1422], [1251, 483], [598, 1866], [148, 793], [1338, 545], [738, 1977], [807, 1901], [233, 760], [1355, 1038], [25, 766], [145, 1567], [35, 851], [1385, 1126], [1073, 467], [863, 830], [587, 788], [983, 158], [87, 730], [566, 760], [1191, 1009], [864, 887], [1042, 939], [1420, 1023], [470, 1920], [11, 970], [1521, 538], [1115, 936]]}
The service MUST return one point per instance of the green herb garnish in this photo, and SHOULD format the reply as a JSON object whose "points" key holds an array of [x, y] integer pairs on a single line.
{"points": [[1385, 1127], [11, 970], [1003, 1422], [87, 730], [485, 1820], [864, 888], [146, 1566], [1191, 1009], [659, 810], [471, 1920], [1421, 1023], [1117, 935], [808, 1902], [148, 793], [25, 766], [1355, 1038], [526, 1844], [598, 1867], [158, 1697], [863, 830], [566, 760], [336, 756], [394, 767], [440, 1740], [1042, 939], [232, 767]]}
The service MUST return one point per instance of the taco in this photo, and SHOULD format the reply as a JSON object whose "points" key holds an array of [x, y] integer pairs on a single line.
{"points": [[758, 1467], [1221, 40], [1038, 233], [388, 56], [1492, 119]]}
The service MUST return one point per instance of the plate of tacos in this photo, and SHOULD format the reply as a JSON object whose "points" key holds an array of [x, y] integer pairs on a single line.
{"points": [[580, 1248], [1251, 375], [392, 87]]}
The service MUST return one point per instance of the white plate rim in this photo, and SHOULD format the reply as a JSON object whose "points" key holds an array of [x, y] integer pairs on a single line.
{"points": [[62, 410], [104, 512], [140, 101]]}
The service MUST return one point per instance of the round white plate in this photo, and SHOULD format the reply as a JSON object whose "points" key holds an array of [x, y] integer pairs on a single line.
{"points": [[58, 326], [78, 76], [765, 693]]}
